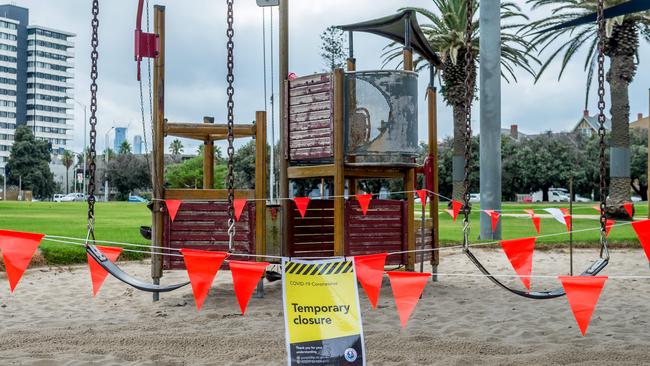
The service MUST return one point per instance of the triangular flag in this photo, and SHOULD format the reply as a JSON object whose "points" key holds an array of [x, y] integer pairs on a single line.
{"points": [[17, 248], [370, 272], [583, 293], [629, 207], [301, 204], [596, 207], [364, 201], [456, 206], [608, 226], [98, 273], [202, 266], [245, 277], [239, 204], [564, 210], [407, 288], [567, 222], [450, 212], [520, 254], [536, 221], [642, 229], [172, 208], [495, 218], [530, 212], [557, 214], [422, 194]]}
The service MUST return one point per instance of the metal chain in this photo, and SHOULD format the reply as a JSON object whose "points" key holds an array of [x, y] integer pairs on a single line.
{"points": [[144, 126], [92, 154], [601, 117], [469, 63], [230, 179]]}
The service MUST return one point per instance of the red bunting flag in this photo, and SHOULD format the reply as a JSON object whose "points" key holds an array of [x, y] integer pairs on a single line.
{"points": [[608, 226], [567, 222], [629, 207], [245, 277], [495, 218], [202, 266], [370, 272], [530, 212], [456, 206], [172, 208], [301, 204], [450, 212], [17, 248], [407, 288], [422, 194], [642, 229], [520, 254], [536, 222], [596, 207], [364, 201], [239, 204], [98, 273], [564, 210], [583, 293]]}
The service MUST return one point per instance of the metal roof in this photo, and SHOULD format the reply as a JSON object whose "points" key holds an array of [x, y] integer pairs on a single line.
{"points": [[393, 28]]}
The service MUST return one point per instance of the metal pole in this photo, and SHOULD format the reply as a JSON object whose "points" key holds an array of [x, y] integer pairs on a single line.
{"points": [[84, 152], [4, 184], [422, 223], [571, 226], [648, 173], [490, 129], [284, 163]]}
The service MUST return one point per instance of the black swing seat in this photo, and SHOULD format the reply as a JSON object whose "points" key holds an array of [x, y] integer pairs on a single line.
{"points": [[116, 272], [593, 270]]}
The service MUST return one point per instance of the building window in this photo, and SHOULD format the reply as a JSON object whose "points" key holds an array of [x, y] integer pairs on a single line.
{"points": [[45, 44], [40, 75], [47, 33], [8, 25]]}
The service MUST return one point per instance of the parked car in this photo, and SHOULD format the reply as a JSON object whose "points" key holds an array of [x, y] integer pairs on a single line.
{"points": [[635, 198], [554, 195], [579, 198], [73, 197], [57, 197], [136, 199]]}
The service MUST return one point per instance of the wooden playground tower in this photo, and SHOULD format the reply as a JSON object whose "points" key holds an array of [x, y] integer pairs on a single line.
{"points": [[313, 108]]}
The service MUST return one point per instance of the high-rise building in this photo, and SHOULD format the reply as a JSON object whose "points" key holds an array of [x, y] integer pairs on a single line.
{"points": [[120, 137], [137, 144], [36, 72]]}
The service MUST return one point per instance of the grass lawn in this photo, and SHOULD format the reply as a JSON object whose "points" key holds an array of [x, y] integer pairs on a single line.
{"points": [[120, 222]]}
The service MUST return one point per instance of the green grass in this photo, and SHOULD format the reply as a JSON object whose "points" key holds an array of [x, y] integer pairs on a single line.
{"points": [[115, 221]]}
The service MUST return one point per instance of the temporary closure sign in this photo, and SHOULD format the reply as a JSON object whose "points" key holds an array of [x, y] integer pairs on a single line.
{"points": [[321, 313]]}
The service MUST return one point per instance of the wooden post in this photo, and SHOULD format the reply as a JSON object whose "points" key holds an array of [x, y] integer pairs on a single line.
{"points": [[648, 173], [409, 185], [158, 152], [433, 153], [260, 184], [352, 66], [284, 162], [408, 60], [339, 172], [208, 159]]}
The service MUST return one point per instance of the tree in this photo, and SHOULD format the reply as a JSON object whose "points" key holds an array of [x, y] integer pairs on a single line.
{"points": [[109, 154], [333, 48], [67, 159], [639, 162], [621, 47], [189, 174], [128, 172], [176, 147], [29, 163], [445, 31], [125, 148]]}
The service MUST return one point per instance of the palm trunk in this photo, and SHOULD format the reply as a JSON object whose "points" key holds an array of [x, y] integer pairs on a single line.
{"points": [[67, 175], [458, 160]]}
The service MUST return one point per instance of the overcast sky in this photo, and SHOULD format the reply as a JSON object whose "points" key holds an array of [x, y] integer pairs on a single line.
{"points": [[196, 56]]}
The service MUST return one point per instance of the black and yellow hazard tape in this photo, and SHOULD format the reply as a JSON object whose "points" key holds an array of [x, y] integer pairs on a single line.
{"points": [[308, 269]]}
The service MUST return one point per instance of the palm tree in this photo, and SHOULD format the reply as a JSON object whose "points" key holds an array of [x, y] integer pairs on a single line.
{"points": [[109, 154], [445, 29], [176, 147], [621, 47], [125, 148], [67, 159]]}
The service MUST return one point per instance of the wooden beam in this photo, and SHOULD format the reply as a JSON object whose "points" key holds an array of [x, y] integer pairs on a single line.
{"points": [[208, 159], [408, 60], [260, 184], [205, 194], [311, 171], [409, 185], [432, 99], [283, 72], [373, 172], [339, 171], [204, 131], [158, 152]]}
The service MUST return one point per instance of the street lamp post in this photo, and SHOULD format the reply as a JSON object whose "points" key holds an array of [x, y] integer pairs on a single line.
{"points": [[106, 161], [84, 149]]}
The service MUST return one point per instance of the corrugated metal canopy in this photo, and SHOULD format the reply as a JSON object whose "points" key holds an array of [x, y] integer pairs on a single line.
{"points": [[393, 28]]}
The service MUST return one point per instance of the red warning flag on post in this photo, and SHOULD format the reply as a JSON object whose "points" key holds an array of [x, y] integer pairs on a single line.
{"points": [[583, 293], [239, 204], [520, 255], [608, 226], [98, 273], [407, 288], [536, 222], [564, 210], [172, 208], [202, 266], [642, 229], [364, 201], [530, 212], [456, 207], [422, 194], [17, 249], [245, 277], [301, 204], [568, 222], [370, 272], [596, 207], [495, 218], [629, 207]]}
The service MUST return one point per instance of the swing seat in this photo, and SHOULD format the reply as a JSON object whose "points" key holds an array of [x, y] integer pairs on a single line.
{"points": [[116, 272]]}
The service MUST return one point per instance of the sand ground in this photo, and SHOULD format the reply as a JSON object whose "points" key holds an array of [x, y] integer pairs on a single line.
{"points": [[51, 319]]}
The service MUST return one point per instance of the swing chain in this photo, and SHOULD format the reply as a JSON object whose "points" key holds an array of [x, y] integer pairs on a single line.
{"points": [[601, 117], [230, 91], [468, 116], [92, 152]]}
